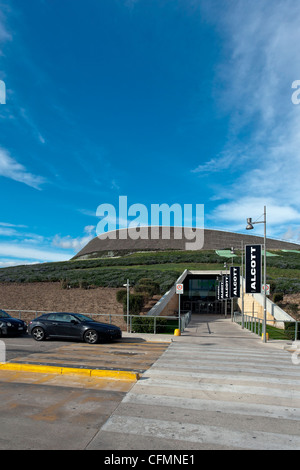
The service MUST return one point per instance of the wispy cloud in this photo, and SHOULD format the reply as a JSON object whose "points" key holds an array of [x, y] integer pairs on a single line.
{"points": [[256, 74], [29, 122], [20, 246], [5, 34], [75, 244], [236, 212], [222, 162], [28, 253], [10, 168]]}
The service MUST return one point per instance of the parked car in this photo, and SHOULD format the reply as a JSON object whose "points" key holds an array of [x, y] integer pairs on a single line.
{"points": [[72, 325], [11, 326]]}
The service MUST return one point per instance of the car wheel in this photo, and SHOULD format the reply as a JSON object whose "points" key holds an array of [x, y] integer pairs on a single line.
{"points": [[91, 336], [38, 333]]}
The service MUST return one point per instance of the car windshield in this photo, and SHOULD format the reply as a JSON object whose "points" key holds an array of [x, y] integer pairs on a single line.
{"points": [[4, 314], [82, 317]]}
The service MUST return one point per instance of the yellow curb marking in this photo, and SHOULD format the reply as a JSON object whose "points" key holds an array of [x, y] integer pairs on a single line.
{"points": [[116, 374]]}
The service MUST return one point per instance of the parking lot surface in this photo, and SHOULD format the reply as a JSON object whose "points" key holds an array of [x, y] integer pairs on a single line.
{"points": [[50, 411]]}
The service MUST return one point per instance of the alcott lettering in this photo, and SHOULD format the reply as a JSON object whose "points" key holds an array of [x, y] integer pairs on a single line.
{"points": [[253, 269], [234, 281]]}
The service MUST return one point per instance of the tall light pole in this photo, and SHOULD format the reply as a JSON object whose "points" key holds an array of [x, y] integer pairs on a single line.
{"points": [[250, 227], [128, 294]]}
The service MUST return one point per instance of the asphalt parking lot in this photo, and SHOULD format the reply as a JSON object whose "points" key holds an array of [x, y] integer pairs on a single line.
{"points": [[50, 411]]}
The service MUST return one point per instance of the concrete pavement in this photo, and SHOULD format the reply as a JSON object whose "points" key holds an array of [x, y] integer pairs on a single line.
{"points": [[215, 387]]}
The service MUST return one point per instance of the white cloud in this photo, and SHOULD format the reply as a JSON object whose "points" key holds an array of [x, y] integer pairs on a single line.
{"points": [[23, 252], [254, 81], [5, 34], [75, 244], [7, 224], [8, 262], [10, 168], [232, 216]]}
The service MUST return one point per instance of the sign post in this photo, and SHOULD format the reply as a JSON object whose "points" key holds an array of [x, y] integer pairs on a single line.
{"points": [[268, 289], [179, 291]]}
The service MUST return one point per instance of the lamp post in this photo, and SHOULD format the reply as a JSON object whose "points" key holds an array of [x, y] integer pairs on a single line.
{"points": [[127, 285], [250, 227]]}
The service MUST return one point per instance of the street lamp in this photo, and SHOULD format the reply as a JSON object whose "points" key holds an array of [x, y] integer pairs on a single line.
{"points": [[250, 227], [127, 285]]}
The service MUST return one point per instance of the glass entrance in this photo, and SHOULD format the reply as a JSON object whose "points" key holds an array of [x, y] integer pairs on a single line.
{"points": [[199, 295], [200, 306]]}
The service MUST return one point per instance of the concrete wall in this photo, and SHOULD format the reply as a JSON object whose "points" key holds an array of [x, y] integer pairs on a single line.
{"points": [[254, 306], [169, 301]]}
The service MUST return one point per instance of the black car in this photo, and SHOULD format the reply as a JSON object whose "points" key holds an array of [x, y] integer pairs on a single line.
{"points": [[72, 325], [11, 326]]}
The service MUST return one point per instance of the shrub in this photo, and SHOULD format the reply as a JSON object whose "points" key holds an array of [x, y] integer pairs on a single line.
{"points": [[64, 283], [278, 297], [83, 284], [145, 284], [146, 325], [121, 295], [293, 308], [136, 303], [289, 328]]}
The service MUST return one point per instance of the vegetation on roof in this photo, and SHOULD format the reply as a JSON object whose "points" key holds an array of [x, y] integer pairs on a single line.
{"points": [[164, 267]]}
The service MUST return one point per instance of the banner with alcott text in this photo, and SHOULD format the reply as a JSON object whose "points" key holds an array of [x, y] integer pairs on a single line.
{"points": [[253, 269], [225, 280], [234, 281]]}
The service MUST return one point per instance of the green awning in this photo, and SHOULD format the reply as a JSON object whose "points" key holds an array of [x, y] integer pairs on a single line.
{"points": [[225, 253]]}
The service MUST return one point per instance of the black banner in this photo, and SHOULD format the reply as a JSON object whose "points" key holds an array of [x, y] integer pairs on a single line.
{"points": [[234, 281], [221, 290], [226, 286], [218, 290], [253, 269]]}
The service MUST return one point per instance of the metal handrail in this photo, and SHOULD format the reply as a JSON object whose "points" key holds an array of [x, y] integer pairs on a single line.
{"points": [[254, 324], [184, 318]]}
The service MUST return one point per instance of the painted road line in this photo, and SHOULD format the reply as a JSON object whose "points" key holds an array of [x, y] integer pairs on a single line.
{"points": [[197, 404], [200, 434]]}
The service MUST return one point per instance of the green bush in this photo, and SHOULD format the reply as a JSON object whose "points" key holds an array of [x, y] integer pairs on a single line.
{"points": [[146, 325], [278, 297], [121, 295], [136, 303], [289, 328], [147, 288], [293, 308], [147, 285], [83, 284], [64, 283]]}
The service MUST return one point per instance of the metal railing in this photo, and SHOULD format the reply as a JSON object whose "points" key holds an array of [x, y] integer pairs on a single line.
{"points": [[137, 323], [255, 325]]}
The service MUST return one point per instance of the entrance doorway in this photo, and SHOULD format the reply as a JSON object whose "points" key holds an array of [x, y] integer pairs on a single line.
{"points": [[203, 307]]}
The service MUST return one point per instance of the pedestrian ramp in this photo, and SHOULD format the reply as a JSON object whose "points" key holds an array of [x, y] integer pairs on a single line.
{"points": [[211, 395]]}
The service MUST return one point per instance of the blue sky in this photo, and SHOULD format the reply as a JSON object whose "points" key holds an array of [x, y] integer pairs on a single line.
{"points": [[178, 101]]}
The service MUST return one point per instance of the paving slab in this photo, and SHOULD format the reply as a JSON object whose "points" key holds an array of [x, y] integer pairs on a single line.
{"points": [[215, 387]]}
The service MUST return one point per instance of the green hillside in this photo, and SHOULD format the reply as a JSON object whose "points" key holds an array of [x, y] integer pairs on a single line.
{"points": [[283, 270]]}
